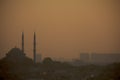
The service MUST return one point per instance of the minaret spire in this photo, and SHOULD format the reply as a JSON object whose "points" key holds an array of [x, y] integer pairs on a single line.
{"points": [[23, 42], [34, 48]]}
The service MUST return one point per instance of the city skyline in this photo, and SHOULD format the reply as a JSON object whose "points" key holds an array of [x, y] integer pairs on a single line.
{"points": [[87, 57]]}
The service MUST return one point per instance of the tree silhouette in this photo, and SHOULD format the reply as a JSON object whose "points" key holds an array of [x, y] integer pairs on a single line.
{"points": [[48, 60]]}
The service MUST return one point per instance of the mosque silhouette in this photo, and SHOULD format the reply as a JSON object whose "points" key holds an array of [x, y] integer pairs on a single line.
{"points": [[17, 55]]}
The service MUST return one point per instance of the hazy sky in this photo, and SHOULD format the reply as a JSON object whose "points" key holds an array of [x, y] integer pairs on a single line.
{"points": [[64, 28]]}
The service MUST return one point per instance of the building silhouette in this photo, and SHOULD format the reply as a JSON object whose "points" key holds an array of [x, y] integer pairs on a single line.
{"points": [[17, 55], [99, 58], [38, 58], [105, 58]]}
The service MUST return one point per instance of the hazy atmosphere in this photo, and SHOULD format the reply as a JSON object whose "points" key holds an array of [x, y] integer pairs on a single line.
{"points": [[64, 28]]}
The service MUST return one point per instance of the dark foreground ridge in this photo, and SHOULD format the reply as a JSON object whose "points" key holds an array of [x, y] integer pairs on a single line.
{"points": [[17, 66]]}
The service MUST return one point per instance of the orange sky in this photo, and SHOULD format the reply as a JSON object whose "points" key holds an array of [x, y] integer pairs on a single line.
{"points": [[64, 28]]}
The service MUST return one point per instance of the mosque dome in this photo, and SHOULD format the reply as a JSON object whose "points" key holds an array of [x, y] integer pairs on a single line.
{"points": [[15, 52], [16, 55]]}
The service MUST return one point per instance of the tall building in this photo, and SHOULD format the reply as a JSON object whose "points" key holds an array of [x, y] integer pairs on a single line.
{"points": [[34, 48], [100, 58], [22, 42], [105, 58], [38, 57]]}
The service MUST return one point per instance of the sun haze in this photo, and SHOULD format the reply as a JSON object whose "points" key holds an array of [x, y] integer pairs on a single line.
{"points": [[64, 28]]}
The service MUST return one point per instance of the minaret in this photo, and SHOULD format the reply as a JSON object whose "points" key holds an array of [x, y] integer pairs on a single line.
{"points": [[34, 48], [22, 42]]}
